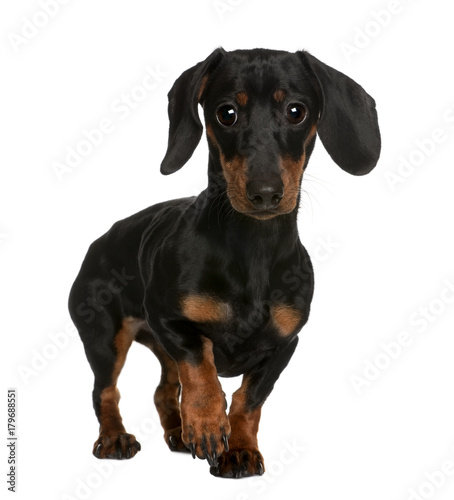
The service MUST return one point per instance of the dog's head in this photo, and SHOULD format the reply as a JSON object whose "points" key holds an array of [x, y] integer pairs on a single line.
{"points": [[263, 110]]}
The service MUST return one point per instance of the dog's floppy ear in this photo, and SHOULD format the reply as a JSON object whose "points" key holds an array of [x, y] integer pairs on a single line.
{"points": [[348, 125], [185, 128]]}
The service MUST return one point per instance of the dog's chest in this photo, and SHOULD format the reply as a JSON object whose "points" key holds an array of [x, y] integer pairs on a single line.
{"points": [[242, 333], [242, 320], [265, 300]]}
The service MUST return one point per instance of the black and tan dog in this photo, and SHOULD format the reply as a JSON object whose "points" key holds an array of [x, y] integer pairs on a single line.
{"points": [[219, 284]]}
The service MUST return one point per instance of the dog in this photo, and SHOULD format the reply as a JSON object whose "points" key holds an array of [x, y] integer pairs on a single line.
{"points": [[220, 284]]}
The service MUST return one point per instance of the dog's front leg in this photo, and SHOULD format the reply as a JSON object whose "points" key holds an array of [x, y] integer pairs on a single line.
{"points": [[244, 459], [204, 422]]}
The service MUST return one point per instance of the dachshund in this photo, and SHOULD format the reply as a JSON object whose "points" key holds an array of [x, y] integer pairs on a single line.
{"points": [[220, 284]]}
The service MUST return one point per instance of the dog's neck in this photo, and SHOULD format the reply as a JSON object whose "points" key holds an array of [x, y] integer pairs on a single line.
{"points": [[273, 239]]}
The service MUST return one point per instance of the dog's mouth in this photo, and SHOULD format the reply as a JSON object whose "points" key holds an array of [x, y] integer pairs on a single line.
{"points": [[263, 215], [242, 205]]}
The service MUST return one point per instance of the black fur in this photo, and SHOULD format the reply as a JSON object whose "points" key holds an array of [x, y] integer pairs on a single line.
{"points": [[223, 245]]}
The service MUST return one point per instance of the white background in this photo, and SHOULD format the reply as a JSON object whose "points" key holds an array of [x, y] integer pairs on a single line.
{"points": [[383, 251]]}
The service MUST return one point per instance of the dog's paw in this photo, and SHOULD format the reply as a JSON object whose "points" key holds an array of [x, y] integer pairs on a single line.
{"points": [[173, 439], [117, 446], [239, 463], [207, 437]]}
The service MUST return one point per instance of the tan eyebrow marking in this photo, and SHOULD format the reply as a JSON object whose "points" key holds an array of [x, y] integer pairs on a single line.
{"points": [[242, 98], [279, 95]]}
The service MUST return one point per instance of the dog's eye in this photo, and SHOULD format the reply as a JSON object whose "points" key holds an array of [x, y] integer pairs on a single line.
{"points": [[296, 113], [226, 116]]}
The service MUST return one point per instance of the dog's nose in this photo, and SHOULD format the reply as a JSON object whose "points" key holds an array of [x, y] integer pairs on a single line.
{"points": [[265, 195]]}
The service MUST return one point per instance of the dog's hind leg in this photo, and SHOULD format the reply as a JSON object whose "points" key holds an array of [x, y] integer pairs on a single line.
{"points": [[107, 339], [107, 363], [167, 394]]}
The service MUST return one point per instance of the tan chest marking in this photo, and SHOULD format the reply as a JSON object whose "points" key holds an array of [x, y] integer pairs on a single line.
{"points": [[205, 309], [285, 318]]}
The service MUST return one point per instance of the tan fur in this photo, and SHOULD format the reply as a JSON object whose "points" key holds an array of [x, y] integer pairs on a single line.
{"points": [[205, 309], [285, 318], [241, 98]]}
